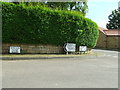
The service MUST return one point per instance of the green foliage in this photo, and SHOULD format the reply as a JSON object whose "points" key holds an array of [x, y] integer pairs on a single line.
{"points": [[80, 6], [114, 20], [41, 25], [88, 34]]}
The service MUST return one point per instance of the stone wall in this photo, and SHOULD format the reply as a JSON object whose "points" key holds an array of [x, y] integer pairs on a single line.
{"points": [[113, 42], [101, 43], [27, 48], [108, 42]]}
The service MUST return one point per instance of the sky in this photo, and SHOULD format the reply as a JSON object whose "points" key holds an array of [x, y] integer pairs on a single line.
{"points": [[99, 10]]}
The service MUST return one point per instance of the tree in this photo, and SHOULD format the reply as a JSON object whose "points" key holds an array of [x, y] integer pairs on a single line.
{"points": [[77, 6], [114, 20], [80, 5]]}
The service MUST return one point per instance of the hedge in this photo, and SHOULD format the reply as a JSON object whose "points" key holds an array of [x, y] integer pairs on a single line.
{"points": [[41, 25]]}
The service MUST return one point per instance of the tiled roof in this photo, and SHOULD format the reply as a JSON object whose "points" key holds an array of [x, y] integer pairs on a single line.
{"points": [[110, 32], [102, 29]]}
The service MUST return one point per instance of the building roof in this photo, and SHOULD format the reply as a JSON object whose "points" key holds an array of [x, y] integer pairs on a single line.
{"points": [[102, 29], [110, 32]]}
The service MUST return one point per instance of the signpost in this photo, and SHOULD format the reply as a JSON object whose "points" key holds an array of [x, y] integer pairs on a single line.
{"points": [[82, 48], [70, 47], [14, 49]]}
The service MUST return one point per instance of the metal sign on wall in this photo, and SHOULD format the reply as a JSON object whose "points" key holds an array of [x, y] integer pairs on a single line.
{"points": [[82, 48], [14, 49], [70, 47]]}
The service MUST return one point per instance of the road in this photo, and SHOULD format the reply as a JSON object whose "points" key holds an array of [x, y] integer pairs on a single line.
{"points": [[96, 71]]}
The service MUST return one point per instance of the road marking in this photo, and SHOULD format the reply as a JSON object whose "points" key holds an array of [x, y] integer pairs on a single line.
{"points": [[108, 55], [56, 84], [115, 56]]}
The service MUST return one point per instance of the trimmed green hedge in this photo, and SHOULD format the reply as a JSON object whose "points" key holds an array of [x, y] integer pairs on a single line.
{"points": [[41, 25]]}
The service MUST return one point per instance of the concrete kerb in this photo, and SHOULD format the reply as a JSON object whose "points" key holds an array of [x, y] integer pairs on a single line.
{"points": [[46, 56], [30, 58]]}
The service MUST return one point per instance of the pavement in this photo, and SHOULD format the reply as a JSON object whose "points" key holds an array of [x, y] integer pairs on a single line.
{"points": [[96, 70]]}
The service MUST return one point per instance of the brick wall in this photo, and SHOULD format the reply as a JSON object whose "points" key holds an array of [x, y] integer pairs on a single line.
{"points": [[25, 48]]}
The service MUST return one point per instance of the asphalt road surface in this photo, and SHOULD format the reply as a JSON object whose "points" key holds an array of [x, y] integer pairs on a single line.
{"points": [[96, 71]]}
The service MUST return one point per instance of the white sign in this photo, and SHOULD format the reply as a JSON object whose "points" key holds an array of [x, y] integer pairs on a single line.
{"points": [[70, 47], [14, 49], [82, 48]]}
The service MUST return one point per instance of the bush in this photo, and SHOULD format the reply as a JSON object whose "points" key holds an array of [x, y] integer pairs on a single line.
{"points": [[88, 35], [41, 25]]}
